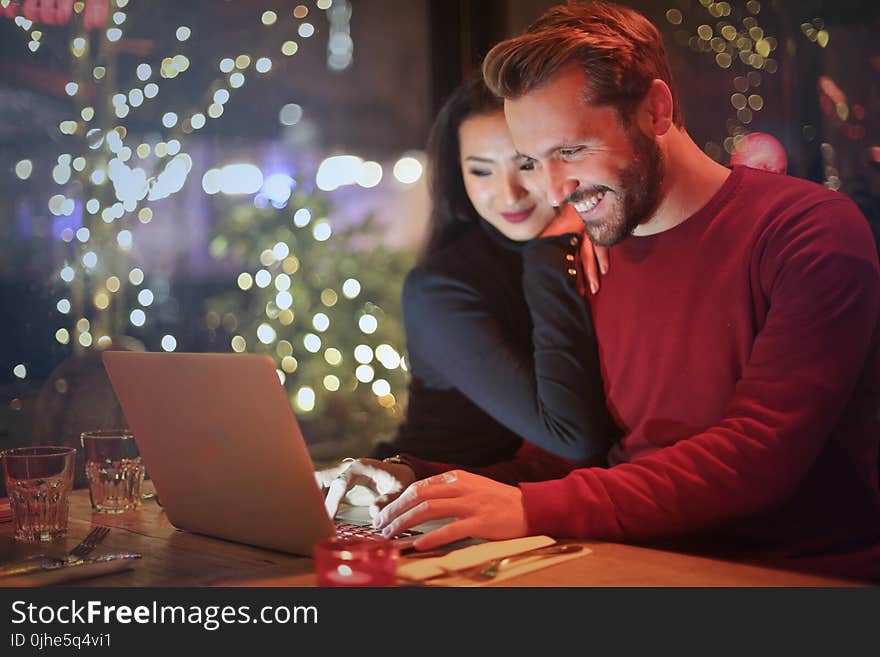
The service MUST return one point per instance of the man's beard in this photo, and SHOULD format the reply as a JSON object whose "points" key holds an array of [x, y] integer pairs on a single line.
{"points": [[638, 192]]}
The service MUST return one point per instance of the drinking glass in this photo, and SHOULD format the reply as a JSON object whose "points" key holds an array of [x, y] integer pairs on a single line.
{"points": [[38, 482], [114, 470]]}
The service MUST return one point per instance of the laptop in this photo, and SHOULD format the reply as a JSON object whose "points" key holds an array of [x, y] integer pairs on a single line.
{"points": [[223, 448]]}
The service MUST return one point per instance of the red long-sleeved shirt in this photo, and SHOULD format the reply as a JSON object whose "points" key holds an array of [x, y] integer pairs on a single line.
{"points": [[739, 353]]}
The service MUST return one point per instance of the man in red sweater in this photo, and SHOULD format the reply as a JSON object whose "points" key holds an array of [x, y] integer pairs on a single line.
{"points": [[737, 327]]}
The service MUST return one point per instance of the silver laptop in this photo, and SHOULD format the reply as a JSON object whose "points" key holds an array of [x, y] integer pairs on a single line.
{"points": [[221, 444]]}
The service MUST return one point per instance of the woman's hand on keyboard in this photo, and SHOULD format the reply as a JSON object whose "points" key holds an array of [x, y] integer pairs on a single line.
{"points": [[384, 480]]}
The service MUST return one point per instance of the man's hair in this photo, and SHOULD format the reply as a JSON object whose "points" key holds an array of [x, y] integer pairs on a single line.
{"points": [[620, 51]]}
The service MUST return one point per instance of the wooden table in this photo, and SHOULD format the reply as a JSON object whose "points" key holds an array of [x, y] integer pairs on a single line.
{"points": [[176, 558]]}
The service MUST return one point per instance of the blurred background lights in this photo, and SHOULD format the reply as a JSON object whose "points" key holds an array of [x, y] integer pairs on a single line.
{"points": [[263, 278], [124, 239], [136, 276], [370, 175], [305, 399], [363, 354], [169, 343], [322, 231], [364, 373], [351, 288], [226, 65], [145, 297], [388, 356], [183, 33], [407, 170], [302, 217], [240, 179], [245, 281], [265, 334], [312, 343], [169, 119], [337, 171], [137, 317], [306, 30], [269, 18], [71, 88], [278, 188], [368, 324], [263, 65], [381, 387], [151, 89], [90, 259], [67, 274], [290, 114], [221, 96], [238, 344], [62, 336], [289, 48], [333, 356], [63, 306], [23, 169], [101, 300], [321, 322], [20, 371], [284, 300], [331, 382], [144, 71]]}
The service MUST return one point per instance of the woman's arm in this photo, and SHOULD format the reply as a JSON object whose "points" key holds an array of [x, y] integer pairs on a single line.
{"points": [[553, 396]]}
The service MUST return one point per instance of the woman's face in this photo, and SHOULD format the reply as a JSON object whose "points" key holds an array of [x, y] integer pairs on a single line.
{"points": [[499, 182]]}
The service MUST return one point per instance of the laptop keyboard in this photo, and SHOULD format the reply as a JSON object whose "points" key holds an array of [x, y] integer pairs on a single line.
{"points": [[348, 530]]}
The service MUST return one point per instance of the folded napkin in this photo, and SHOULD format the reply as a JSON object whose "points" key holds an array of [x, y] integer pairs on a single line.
{"points": [[5, 510], [428, 570]]}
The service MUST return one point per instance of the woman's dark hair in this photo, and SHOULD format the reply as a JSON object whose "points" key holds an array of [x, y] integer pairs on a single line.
{"points": [[451, 209]]}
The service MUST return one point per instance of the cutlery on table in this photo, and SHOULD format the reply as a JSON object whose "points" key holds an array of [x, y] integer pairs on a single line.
{"points": [[76, 554], [60, 571], [490, 569]]}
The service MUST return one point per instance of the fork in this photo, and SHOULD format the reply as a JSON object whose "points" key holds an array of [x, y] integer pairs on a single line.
{"points": [[89, 543], [490, 571], [80, 550]]}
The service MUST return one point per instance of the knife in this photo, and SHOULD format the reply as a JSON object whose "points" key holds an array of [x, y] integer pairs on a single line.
{"points": [[59, 564]]}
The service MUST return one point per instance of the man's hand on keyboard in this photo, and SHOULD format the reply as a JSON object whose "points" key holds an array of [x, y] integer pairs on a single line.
{"points": [[384, 480]]}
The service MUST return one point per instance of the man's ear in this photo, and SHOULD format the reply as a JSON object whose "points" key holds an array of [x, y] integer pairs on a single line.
{"points": [[655, 110]]}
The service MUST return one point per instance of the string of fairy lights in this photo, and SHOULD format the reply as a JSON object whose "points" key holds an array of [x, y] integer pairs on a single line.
{"points": [[747, 45], [742, 45], [107, 179]]}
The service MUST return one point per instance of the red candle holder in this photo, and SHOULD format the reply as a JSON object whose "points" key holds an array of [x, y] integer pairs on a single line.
{"points": [[356, 562]]}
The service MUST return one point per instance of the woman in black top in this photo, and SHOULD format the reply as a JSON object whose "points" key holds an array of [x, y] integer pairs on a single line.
{"points": [[499, 337]]}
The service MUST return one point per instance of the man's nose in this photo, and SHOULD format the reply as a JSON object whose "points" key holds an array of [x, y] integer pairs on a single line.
{"points": [[559, 185]]}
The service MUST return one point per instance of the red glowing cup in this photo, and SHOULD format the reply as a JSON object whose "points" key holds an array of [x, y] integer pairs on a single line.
{"points": [[355, 562]]}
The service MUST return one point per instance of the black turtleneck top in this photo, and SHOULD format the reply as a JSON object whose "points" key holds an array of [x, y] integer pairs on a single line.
{"points": [[501, 348]]}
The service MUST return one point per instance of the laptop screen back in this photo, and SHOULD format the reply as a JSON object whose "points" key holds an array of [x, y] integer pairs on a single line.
{"points": [[222, 446]]}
